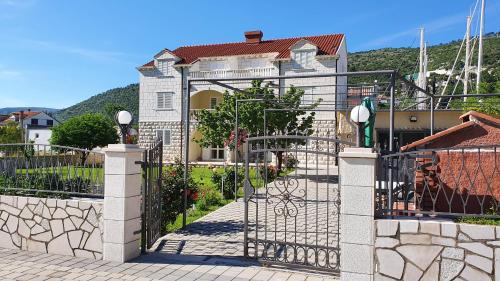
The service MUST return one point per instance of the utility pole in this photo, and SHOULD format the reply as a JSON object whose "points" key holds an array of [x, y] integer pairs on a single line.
{"points": [[467, 58], [422, 80], [480, 53]]}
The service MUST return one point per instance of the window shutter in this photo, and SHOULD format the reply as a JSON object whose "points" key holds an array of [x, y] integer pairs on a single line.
{"points": [[166, 137], [168, 101], [160, 103]]}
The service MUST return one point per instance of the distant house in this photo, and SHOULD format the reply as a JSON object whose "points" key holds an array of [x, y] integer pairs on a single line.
{"points": [[37, 125], [461, 173]]}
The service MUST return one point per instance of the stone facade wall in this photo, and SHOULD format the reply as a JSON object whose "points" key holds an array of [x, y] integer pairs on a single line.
{"points": [[436, 250], [65, 227], [147, 137]]}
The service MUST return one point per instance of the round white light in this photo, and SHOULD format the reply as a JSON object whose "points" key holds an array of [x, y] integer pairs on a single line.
{"points": [[124, 117], [360, 114]]}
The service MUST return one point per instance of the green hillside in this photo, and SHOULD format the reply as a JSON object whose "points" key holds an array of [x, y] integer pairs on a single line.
{"points": [[440, 56], [403, 59], [127, 97]]}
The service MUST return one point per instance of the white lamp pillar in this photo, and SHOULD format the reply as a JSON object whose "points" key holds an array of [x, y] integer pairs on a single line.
{"points": [[122, 202]]}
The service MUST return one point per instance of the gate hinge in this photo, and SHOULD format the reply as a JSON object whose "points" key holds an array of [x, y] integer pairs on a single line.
{"points": [[137, 232]]}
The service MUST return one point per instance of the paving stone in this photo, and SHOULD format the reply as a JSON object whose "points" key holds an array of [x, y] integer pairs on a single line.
{"points": [[421, 256], [450, 269], [470, 273], [412, 273], [479, 232], [482, 263], [390, 263], [387, 227], [430, 227], [478, 248]]}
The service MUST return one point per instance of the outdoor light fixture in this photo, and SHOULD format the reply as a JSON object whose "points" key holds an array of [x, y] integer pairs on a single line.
{"points": [[413, 118], [359, 115], [123, 119]]}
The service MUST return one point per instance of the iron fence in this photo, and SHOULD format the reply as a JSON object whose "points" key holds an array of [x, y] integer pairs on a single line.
{"points": [[51, 171], [446, 182]]}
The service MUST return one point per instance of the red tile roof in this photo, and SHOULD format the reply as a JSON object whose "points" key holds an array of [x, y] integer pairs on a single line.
{"points": [[327, 45], [467, 122], [27, 114]]}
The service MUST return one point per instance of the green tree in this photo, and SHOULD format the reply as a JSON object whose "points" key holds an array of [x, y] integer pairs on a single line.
{"points": [[217, 126], [10, 133], [110, 109], [85, 131]]}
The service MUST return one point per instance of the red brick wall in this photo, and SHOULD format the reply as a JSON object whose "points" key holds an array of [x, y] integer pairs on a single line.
{"points": [[461, 181]]}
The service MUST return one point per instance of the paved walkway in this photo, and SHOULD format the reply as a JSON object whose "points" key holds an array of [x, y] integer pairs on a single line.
{"points": [[22, 265]]}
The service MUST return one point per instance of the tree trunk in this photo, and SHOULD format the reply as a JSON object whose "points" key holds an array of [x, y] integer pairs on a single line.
{"points": [[279, 160]]}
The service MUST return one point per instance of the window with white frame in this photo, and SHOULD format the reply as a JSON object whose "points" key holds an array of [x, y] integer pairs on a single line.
{"points": [[165, 66], [164, 135], [302, 59], [217, 152], [164, 100], [213, 103]]}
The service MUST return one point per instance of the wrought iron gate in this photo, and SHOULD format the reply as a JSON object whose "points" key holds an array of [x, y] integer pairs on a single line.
{"points": [[152, 220], [293, 219]]}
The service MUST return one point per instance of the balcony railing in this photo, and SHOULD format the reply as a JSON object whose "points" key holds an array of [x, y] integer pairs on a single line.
{"points": [[192, 113], [234, 73]]}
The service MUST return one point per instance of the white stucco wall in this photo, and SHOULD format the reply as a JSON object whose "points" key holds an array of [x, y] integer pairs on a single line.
{"points": [[39, 135]]}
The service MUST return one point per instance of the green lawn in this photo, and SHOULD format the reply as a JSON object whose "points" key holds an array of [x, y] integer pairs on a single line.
{"points": [[65, 172]]}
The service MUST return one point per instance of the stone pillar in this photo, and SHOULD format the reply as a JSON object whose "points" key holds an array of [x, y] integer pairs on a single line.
{"points": [[357, 225], [122, 202]]}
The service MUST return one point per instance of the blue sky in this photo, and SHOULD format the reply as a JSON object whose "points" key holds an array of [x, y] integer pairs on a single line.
{"points": [[55, 53]]}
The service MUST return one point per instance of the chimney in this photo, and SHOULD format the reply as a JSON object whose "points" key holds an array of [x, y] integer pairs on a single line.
{"points": [[253, 37]]}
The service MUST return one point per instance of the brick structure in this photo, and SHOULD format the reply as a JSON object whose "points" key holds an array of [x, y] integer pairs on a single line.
{"points": [[163, 82], [457, 179]]}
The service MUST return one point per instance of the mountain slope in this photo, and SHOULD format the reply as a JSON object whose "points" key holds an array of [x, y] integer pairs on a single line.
{"points": [[403, 59], [7, 110], [440, 56], [127, 97]]}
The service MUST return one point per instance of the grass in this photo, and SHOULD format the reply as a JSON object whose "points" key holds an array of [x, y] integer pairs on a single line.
{"points": [[65, 171], [193, 215], [479, 220]]}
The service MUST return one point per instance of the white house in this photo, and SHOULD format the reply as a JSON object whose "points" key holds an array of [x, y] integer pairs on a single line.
{"points": [[163, 82], [37, 125]]}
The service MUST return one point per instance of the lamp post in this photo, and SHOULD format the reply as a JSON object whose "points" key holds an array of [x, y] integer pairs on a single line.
{"points": [[123, 119], [359, 115]]}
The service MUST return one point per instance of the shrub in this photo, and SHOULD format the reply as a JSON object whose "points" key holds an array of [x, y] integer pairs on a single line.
{"points": [[209, 197], [225, 181], [290, 161], [173, 190], [272, 173]]}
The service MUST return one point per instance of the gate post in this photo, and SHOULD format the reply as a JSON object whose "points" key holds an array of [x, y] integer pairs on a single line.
{"points": [[357, 170], [122, 202]]}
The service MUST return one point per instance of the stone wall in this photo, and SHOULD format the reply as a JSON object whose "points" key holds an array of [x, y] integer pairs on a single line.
{"points": [[65, 227], [436, 250]]}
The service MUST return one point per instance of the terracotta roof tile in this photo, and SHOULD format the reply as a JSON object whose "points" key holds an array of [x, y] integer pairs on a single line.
{"points": [[327, 45]]}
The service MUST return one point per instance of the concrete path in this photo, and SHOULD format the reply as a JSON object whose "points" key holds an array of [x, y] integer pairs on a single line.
{"points": [[22, 265]]}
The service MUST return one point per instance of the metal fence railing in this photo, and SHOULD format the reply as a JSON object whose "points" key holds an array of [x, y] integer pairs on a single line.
{"points": [[51, 171], [446, 182]]}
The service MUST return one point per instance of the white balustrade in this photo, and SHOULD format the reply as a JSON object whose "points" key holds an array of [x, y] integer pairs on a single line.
{"points": [[234, 73]]}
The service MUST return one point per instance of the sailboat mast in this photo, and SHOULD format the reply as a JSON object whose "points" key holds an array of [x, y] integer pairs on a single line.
{"points": [[421, 71], [467, 58], [480, 53]]}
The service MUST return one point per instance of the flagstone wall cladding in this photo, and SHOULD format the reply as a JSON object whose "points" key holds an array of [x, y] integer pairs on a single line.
{"points": [[436, 250], [65, 227]]}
